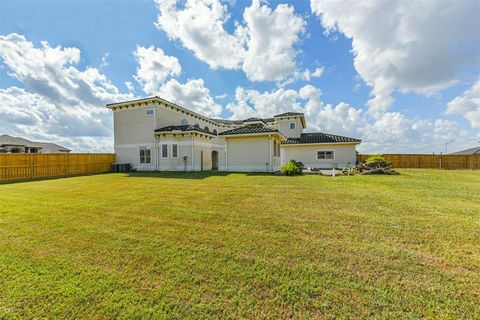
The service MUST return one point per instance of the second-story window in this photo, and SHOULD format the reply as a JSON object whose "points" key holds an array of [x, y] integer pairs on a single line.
{"points": [[184, 122], [292, 125], [149, 112]]}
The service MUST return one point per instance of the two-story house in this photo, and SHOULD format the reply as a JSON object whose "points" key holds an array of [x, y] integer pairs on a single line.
{"points": [[154, 134]]}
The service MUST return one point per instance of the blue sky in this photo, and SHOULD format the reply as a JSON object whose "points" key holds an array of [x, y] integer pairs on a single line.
{"points": [[400, 81]]}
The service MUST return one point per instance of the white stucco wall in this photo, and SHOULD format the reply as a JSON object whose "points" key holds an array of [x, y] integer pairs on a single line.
{"points": [[283, 126], [343, 155], [251, 154]]}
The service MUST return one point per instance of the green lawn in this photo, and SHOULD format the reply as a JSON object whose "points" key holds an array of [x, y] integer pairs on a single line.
{"points": [[201, 246]]}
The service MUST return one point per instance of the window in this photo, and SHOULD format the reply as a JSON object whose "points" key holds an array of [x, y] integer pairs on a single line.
{"points": [[175, 151], [164, 151], [184, 122], [145, 155], [149, 112], [206, 129], [325, 155], [214, 131], [292, 125]]}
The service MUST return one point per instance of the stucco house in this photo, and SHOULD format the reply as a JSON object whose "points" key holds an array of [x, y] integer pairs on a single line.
{"points": [[9, 144], [154, 134]]}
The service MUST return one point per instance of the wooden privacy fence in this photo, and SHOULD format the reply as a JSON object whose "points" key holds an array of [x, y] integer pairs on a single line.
{"points": [[17, 166], [430, 161]]}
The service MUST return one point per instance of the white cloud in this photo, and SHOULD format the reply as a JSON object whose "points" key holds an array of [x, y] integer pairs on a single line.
{"points": [[410, 46], [305, 75], [467, 105], [390, 132], [154, 67], [339, 119], [271, 35], [192, 95], [199, 25], [59, 100], [263, 46]]}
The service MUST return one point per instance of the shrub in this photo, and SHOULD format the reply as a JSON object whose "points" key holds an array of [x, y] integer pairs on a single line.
{"points": [[375, 157], [291, 168]]}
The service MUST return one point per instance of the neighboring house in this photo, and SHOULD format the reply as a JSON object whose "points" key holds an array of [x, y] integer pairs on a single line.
{"points": [[472, 151], [155, 134], [9, 144]]}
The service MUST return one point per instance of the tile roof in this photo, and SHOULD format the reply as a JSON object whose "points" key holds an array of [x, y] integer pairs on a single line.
{"points": [[47, 147], [253, 119], [319, 137], [287, 114], [184, 128], [472, 151], [248, 130]]}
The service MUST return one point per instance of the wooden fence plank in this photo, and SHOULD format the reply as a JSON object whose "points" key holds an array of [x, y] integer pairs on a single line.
{"points": [[430, 161], [15, 167]]}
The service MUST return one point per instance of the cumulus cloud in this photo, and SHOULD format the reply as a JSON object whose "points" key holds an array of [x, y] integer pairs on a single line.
{"points": [[467, 105], [58, 100], [410, 46], [199, 25], [270, 36], [192, 95], [389, 132], [263, 46], [339, 119], [154, 67]]}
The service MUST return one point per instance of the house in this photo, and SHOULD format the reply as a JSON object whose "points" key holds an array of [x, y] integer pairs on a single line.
{"points": [[9, 144], [472, 151], [154, 134]]}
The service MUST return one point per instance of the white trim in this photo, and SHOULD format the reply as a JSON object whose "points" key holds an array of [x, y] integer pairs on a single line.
{"points": [[325, 150], [318, 144], [180, 144]]}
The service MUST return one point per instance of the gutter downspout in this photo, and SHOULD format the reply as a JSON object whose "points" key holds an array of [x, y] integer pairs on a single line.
{"points": [[226, 155]]}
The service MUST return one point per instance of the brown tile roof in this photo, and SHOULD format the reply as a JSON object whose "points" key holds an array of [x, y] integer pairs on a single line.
{"points": [[184, 128], [288, 114], [319, 137], [248, 130]]}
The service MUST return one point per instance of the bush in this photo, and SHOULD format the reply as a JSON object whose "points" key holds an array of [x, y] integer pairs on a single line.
{"points": [[291, 168], [375, 157]]}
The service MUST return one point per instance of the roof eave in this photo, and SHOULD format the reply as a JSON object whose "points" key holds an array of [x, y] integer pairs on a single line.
{"points": [[319, 143]]}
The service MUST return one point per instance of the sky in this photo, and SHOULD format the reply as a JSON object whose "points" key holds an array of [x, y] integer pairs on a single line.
{"points": [[403, 76]]}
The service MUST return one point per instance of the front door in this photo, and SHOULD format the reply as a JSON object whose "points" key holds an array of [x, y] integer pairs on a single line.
{"points": [[214, 160]]}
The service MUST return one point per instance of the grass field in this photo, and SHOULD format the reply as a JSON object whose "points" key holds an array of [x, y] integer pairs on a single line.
{"points": [[201, 246]]}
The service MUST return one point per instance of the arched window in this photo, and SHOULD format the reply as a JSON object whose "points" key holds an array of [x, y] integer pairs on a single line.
{"points": [[214, 131], [184, 122], [197, 125], [206, 128]]}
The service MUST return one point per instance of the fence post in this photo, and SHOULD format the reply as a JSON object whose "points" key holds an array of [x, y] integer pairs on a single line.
{"points": [[31, 167]]}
